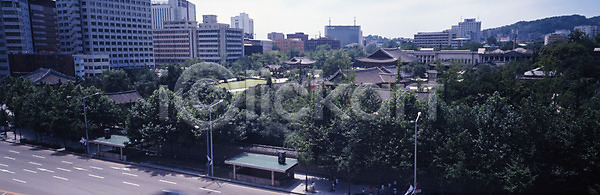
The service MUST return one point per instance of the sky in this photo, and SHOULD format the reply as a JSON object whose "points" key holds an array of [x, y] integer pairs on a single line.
{"points": [[388, 18]]}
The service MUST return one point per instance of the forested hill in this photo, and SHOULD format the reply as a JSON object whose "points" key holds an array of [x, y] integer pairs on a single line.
{"points": [[538, 28]]}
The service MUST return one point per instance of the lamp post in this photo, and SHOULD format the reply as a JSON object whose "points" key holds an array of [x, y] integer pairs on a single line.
{"points": [[415, 171], [87, 137], [212, 159]]}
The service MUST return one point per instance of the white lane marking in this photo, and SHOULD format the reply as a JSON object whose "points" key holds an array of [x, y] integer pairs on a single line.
{"points": [[99, 177], [210, 190], [6, 171], [38, 156], [12, 151], [63, 169], [67, 162], [3, 165], [62, 178], [169, 182], [49, 171], [20, 181], [131, 184], [11, 158], [27, 170], [134, 175], [80, 169], [96, 168], [34, 163]]}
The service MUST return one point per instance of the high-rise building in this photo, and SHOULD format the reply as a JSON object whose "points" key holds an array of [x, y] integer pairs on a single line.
{"points": [[17, 26], [589, 30], [176, 42], [466, 31], [345, 34], [218, 42], [4, 65], [433, 39], [275, 35], [43, 25], [243, 21], [298, 35], [469, 28], [172, 10], [120, 29]]}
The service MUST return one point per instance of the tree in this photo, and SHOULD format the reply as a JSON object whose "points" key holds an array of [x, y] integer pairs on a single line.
{"points": [[491, 40], [338, 61], [113, 81], [473, 46]]}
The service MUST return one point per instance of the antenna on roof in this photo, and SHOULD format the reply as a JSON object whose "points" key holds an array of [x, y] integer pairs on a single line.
{"points": [[354, 20], [329, 21]]}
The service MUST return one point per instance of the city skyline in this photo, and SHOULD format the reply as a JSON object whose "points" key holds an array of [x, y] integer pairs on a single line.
{"points": [[386, 17]]}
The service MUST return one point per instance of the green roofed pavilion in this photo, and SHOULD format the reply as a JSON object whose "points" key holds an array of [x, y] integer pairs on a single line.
{"points": [[118, 141], [262, 162]]}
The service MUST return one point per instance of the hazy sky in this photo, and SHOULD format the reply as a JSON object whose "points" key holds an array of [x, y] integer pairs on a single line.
{"points": [[389, 18]]}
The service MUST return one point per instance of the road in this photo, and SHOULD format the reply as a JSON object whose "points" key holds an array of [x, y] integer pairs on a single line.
{"points": [[28, 170]]}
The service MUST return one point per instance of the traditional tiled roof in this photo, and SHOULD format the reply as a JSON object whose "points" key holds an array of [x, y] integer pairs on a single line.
{"points": [[48, 76], [300, 61], [124, 96], [388, 55]]}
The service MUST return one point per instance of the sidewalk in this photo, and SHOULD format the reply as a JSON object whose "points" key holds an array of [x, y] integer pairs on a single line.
{"points": [[322, 184]]}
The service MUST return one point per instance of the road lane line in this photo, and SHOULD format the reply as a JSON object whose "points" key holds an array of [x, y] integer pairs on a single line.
{"points": [[62, 169], [6, 171], [34, 163], [3, 165], [12, 151], [67, 162], [169, 182], [38, 156], [20, 181], [27, 170], [61, 178], [46, 170], [80, 169], [210, 190], [11, 158], [96, 168], [134, 175], [131, 184], [99, 177]]}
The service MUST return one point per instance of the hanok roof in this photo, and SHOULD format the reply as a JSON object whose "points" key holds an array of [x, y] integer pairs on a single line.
{"points": [[300, 61], [48, 76], [124, 96], [388, 55], [368, 76], [262, 162]]}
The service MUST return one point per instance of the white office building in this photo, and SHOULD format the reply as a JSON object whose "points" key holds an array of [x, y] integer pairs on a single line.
{"points": [[120, 29], [218, 42], [589, 30], [92, 65], [243, 21], [172, 10]]}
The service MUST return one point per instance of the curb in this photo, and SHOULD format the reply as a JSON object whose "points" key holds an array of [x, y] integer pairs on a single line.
{"points": [[160, 167]]}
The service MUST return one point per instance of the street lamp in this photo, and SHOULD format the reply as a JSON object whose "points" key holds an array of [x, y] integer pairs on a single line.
{"points": [[87, 137], [415, 172], [212, 159]]}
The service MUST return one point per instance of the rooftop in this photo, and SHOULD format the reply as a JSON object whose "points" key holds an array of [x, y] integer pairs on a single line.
{"points": [[262, 162], [115, 140]]}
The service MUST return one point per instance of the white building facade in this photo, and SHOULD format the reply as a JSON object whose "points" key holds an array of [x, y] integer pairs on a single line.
{"points": [[218, 42], [17, 26], [172, 10], [120, 29], [243, 21]]}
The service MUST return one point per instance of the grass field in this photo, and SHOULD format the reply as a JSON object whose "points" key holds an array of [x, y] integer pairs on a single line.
{"points": [[242, 84]]}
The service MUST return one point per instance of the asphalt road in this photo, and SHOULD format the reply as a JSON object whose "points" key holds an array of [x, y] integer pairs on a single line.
{"points": [[30, 170]]}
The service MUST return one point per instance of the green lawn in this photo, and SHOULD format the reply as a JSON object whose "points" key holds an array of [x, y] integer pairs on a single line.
{"points": [[242, 84]]}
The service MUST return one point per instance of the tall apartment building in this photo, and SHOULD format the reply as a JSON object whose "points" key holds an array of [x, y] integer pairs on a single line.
{"points": [[345, 34], [176, 42], [469, 28], [589, 30], [275, 35], [172, 10], [243, 21], [44, 26], [17, 26], [120, 29], [218, 42], [4, 65]]}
